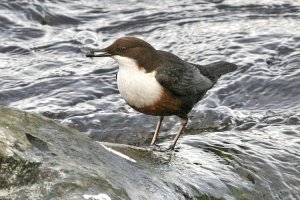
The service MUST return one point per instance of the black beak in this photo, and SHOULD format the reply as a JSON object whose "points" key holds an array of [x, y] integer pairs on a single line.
{"points": [[98, 53]]}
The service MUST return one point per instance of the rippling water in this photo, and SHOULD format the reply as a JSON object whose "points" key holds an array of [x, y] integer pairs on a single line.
{"points": [[246, 131]]}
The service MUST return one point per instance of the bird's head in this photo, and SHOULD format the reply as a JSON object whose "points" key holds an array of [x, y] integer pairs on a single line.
{"points": [[128, 50]]}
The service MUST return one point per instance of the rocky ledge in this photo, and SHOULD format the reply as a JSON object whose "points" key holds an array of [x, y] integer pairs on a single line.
{"points": [[42, 159]]}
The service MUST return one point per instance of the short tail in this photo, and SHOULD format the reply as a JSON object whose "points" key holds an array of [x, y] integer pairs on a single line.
{"points": [[215, 70]]}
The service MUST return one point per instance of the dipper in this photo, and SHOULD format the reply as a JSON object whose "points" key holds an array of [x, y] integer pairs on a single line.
{"points": [[159, 83]]}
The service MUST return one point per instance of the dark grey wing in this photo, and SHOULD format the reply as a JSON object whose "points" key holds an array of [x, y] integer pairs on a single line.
{"points": [[182, 78]]}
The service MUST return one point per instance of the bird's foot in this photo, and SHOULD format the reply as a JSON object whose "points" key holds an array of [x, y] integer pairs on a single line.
{"points": [[172, 148], [155, 147]]}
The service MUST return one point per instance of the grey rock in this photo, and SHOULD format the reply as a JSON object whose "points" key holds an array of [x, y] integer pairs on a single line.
{"points": [[42, 159]]}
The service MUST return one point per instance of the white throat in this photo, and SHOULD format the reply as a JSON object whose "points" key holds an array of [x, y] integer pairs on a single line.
{"points": [[137, 87]]}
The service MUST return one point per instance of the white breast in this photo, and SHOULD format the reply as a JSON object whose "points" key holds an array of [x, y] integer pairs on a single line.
{"points": [[137, 87]]}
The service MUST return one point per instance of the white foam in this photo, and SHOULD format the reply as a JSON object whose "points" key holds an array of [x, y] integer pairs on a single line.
{"points": [[100, 196], [118, 153]]}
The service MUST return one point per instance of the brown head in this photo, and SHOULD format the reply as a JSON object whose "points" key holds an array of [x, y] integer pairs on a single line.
{"points": [[130, 47]]}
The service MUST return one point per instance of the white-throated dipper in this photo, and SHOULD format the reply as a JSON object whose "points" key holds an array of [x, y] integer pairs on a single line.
{"points": [[159, 83]]}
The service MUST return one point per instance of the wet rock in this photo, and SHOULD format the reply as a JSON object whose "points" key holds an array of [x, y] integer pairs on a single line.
{"points": [[246, 126], [41, 159], [293, 120]]}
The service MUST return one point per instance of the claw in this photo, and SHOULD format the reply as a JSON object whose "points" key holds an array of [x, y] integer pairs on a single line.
{"points": [[155, 147]]}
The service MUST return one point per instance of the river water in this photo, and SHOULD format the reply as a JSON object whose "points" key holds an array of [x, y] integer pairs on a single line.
{"points": [[245, 131]]}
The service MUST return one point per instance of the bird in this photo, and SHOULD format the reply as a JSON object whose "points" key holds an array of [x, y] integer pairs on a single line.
{"points": [[159, 83]]}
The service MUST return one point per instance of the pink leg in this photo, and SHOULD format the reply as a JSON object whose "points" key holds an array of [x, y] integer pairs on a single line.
{"points": [[157, 130], [184, 122]]}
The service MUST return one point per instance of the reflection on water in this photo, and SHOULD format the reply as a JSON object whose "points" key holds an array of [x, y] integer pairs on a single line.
{"points": [[245, 131]]}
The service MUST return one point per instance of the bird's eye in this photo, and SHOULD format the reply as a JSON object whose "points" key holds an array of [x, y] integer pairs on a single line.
{"points": [[123, 48]]}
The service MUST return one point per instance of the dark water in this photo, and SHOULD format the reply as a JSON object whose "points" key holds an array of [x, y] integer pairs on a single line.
{"points": [[245, 132]]}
